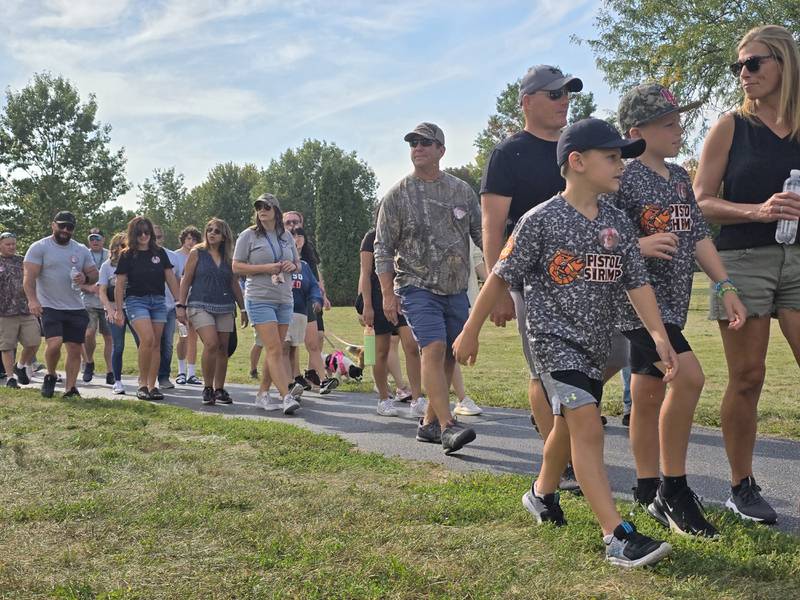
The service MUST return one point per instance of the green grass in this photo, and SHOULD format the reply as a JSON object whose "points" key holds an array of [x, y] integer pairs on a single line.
{"points": [[121, 499], [500, 376]]}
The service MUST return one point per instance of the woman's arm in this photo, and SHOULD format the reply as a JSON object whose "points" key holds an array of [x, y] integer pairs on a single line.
{"points": [[172, 282], [243, 268], [119, 295], [188, 277]]}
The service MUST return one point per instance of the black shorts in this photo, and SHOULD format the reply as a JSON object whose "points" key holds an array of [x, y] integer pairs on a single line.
{"points": [[69, 325], [381, 325], [570, 389], [643, 349]]}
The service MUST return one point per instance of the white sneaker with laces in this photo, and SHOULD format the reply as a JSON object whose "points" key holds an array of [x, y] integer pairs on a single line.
{"points": [[418, 407], [265, 402], [386, 408], [296, 391], [119, 388], [467, 408], [290, 404]]}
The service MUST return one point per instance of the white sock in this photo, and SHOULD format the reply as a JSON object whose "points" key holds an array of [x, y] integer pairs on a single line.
{"points": [[20, 366], [190, 370], [181, 366]]}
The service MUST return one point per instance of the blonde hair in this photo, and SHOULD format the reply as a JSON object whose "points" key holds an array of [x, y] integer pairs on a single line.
{"points": [[115, 248], [226, 247], [783, 47]]}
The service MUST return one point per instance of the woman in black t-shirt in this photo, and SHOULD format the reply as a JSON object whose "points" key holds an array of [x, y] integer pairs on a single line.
{"points": [[142, 271], [749, 154]]}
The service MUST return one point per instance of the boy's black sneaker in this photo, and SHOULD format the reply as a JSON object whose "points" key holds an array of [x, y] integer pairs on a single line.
{"points": [[253, 373], [72, 393], [208, 395], [221, 396], [312, 376], [303, 381], [628, 548], [110, 378], [326, 386], [683, 513], [455, 436], [430, 433], [645, 490], [21, 375], [12, 383], [747, 502], [546, 509], [88, 372], [48, 385]]}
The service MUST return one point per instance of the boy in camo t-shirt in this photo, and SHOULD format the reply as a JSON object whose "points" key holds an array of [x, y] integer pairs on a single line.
{"points": [[658, 200], [575, 257]]}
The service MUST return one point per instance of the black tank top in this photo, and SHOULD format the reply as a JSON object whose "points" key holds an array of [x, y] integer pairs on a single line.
{"points": [[758, 164]]}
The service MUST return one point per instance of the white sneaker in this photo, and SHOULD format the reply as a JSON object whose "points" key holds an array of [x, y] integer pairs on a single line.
{"points": [[290, 404], [118, 387], [418, 407], [386, 408], [265, 402], [296, 391], [30, 372], [467, 408]]}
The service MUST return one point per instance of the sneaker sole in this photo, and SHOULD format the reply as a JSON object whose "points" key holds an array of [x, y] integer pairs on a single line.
{"points": [[656, 555], [269, 408], [329, 388], [659, 516], [730, 505], [392, 413], [673, 526], [428, 440], [290, 410], [467, 413], [461, 442]]}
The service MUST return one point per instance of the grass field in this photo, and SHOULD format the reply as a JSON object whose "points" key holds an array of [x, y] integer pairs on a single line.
{"points": [[128, 500], [500, 376]]}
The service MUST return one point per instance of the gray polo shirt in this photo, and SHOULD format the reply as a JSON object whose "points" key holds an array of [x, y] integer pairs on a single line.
{"points": [[54, 284], [255, 248]]}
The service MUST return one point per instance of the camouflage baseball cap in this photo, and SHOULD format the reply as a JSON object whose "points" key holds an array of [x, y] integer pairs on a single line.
{"points": [[267, 198], [426, 130], [648, 102]]}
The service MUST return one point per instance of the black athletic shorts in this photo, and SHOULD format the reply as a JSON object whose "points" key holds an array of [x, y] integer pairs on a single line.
{"points": [[643, 349], [570, 389], [381, 326], [70, 325]]}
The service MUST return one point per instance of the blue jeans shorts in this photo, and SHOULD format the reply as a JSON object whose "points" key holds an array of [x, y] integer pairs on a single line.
{"points": [[433, 317], [268, 312], [146, 307]]}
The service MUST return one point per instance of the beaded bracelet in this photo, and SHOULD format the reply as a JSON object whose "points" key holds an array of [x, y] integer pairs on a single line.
{"points": [[726, 285]]}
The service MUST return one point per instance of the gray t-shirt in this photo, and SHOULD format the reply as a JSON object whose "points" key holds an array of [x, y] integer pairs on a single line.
{"points": [[93, 300], [54, 284], [654, 205], [574, 272], [256, 248]]}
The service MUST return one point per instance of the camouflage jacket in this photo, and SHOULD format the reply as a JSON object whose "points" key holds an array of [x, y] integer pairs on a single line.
{"points": [[12, 297], [423, 233]]}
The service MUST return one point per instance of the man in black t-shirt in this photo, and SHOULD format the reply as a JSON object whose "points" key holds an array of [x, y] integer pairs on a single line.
{"points": [[522, 172]]}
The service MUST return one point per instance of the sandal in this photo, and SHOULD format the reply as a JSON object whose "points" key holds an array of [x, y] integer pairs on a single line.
{"points": [[155, 394], [142, 393], [222, 396]]}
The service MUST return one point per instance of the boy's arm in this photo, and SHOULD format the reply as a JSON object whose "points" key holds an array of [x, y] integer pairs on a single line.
{"points": [[465, 346], [644, 301], [314, 291], [709, 260]]}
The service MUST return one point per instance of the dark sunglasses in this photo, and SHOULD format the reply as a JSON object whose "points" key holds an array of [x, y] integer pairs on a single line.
{"points": [[291, 222], [557, 94], [214, 230], [7, 234], [417, 141], [753, 64], [140, 232], [66, 226], [95, 237], [263, 206]]}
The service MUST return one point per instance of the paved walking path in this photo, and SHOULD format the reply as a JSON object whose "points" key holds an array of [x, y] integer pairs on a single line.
{"points": [[506, 442]]}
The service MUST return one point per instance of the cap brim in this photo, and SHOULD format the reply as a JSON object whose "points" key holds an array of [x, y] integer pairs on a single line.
{"points": [[573, 84], [416, 134], [676, 110]]}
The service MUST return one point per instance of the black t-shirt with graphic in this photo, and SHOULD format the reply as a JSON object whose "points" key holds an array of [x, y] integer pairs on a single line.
{"points": [[575, 272], [145, 271], [524, 168], [654, 205]]}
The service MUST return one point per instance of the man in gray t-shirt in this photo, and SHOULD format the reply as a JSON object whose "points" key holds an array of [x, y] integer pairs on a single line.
{"points": [[55, 268], [96, 312]]}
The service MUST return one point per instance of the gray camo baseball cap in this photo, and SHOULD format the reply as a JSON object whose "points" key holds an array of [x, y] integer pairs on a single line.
{"points": [[545, 77], [646, 103], [426, 130]]}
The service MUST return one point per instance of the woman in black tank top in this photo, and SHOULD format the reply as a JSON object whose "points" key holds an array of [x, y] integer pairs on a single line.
{"points": [[749, 153]]}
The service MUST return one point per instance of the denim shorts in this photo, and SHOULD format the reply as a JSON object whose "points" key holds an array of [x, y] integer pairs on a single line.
{"points": [[267, 312], [434, 317], [146, 307]]}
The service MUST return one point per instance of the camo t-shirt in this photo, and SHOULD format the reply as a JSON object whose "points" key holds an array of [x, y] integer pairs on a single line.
{"points": [[653, 205], [574, 273]]}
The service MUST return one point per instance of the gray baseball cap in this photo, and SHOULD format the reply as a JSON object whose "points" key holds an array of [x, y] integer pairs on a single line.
{"points": [[426, 130], [545, 77], [267, 199], [646, 103]]}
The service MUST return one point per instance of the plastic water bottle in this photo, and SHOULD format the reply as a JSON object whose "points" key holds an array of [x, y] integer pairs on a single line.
{"points": [[786, 232], [73, 273], [369, 346], [183, 330]]}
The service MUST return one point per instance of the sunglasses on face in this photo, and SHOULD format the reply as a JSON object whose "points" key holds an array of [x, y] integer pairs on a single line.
{"points": [[424, 141], [263, 206], [753, 64], [557, 94], [141, 232], [66, 226], [213, 230], [292, 222]]}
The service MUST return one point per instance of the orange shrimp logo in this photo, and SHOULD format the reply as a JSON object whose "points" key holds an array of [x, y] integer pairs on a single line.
{"points": [[564, 267], [654, 219], [508, 248]]}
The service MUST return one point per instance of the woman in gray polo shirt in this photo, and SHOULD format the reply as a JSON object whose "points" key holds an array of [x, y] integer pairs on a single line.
{"points": [[266, 255]]}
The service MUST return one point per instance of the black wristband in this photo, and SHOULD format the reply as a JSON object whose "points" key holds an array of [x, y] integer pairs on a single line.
{"points": [[180, 305]]}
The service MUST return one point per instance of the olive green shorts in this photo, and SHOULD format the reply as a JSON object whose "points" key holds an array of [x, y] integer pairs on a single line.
{"points": [[768, 278]]}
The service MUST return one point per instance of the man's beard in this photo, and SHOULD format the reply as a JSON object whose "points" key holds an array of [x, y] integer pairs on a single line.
{"points": [[62, 237]]}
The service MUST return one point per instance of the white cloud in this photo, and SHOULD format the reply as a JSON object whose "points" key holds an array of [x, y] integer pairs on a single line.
{"points": [[79, 14]]}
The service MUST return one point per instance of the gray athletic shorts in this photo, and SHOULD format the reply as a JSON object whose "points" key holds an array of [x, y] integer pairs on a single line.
{"points": [[617, 359], [571, 389]]}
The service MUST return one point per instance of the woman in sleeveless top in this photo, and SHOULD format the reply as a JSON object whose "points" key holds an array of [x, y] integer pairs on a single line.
{"points": [[207, 296], [749, 153]]}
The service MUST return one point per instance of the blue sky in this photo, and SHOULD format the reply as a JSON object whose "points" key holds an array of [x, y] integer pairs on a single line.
{"points": [[194, 83]]}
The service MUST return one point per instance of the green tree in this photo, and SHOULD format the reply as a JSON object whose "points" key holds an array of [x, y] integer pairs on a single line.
{"points": [[55, 155], [468, 173], [111, 221], [163, 200], [335, 191], [686, 46], [581, 106], [226, 193]]}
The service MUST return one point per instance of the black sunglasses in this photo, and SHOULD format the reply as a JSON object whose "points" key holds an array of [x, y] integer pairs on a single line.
{"points": [[214, 230], [263, 206], [557, 94], [417, 141], [139, 232], [753, 64], [66, 226]]}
